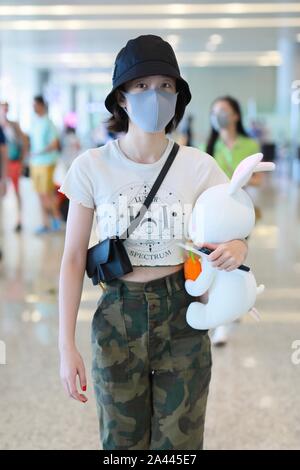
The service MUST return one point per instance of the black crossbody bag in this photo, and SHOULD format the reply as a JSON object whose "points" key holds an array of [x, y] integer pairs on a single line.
{"points": [[109, 259]]}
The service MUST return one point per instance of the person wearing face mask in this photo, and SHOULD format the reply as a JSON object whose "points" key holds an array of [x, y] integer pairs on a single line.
{"points": [[151, 371], [229, 144]]}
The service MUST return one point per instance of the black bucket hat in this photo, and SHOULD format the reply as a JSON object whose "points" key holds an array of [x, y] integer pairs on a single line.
{"points": [[142, 56]]}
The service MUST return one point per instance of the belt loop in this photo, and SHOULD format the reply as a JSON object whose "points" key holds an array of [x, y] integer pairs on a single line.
{"points": [[169, 286]]}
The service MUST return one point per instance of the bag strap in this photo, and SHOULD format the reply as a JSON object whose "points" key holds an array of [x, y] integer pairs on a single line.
{"points": [[152, 193]]}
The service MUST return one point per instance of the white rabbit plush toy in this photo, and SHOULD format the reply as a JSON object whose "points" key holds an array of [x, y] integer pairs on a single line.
{"points": [[221, 213]]}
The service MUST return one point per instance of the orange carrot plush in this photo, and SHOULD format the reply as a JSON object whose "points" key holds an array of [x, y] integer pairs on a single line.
{"points": [[192, 267]]}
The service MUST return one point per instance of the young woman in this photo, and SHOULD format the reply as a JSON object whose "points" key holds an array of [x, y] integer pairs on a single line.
{"points": [[228, 142], [151, 371]]}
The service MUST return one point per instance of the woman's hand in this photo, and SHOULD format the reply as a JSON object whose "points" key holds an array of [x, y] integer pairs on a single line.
{"points": [[227, 256], [71, 365]]}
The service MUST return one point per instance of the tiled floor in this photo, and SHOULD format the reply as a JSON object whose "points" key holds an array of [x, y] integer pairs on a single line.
{"points": [[254, 400]]}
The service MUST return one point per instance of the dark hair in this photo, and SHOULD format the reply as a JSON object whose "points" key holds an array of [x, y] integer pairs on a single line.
{"points": [[118, 122], [239, 125], [70, 130], [40, 99]]}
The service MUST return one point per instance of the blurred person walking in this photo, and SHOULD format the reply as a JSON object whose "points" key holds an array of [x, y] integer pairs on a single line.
{"points": [[17, 148], [3, 175], [44, 147], [71, 147]]}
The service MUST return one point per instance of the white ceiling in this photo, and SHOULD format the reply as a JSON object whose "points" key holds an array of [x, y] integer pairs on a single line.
{"points": [[89, 35]]}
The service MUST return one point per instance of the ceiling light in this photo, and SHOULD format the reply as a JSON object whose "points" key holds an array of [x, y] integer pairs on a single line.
{"points": [[216, 39], [149, 24], [210, 47], [152, 9]]}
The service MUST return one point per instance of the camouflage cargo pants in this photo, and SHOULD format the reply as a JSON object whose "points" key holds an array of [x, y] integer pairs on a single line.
{"points": [[151, 370]]}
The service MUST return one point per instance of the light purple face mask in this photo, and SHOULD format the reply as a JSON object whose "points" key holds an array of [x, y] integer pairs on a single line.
{"points": [[151, 110]]}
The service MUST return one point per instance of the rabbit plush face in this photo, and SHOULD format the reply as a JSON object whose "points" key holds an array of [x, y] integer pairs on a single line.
{"points": [[225, 211]]}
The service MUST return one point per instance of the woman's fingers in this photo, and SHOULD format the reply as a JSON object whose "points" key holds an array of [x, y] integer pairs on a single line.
{"points": [[82, 377], [224, 260], [73, 389], [228, 264], [215, 255]]}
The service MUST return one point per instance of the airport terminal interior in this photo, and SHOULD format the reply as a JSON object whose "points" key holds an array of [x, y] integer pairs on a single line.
{"points": [[65, 52]]}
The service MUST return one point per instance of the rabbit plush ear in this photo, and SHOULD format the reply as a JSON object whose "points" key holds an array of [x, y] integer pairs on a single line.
{"points": [[243, 172]]}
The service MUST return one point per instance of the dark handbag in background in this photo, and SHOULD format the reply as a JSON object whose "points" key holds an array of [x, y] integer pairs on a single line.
{"points": [[109, 259]]}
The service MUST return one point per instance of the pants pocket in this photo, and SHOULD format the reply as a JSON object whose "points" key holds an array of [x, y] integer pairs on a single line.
{"points": [[189, 347], [109, 341]]}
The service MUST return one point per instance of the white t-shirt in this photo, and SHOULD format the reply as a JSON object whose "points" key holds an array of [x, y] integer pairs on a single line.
{"points": [[115, 187]]}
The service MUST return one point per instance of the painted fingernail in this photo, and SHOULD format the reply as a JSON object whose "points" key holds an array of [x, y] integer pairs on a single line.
{"points": [[84, 388]]}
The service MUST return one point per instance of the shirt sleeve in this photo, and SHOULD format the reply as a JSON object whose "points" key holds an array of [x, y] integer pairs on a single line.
{"points": [[77, 184]]}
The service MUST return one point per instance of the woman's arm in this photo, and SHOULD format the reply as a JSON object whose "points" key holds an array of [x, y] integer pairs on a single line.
{"points": [[78, 229], [54, 145]]}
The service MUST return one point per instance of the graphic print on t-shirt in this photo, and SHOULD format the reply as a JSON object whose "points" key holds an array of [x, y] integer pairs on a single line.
{"points": [[162, 226]]}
